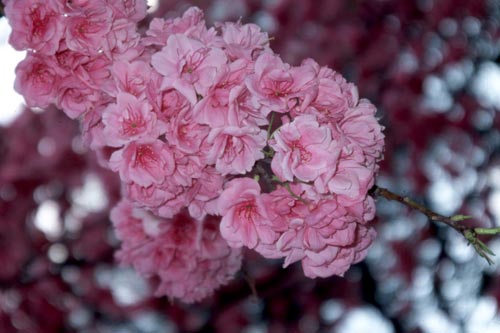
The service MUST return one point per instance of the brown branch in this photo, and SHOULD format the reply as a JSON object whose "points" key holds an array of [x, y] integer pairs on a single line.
{"points": [[469, 233], [431, 215]]}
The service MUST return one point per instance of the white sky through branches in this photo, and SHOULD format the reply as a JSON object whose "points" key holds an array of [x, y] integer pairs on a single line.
{"points": [[11, 101]]}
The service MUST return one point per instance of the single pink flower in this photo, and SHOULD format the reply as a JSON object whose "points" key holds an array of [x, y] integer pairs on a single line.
{"points": [[189, 167], [243, 109], [128, 120], [213, 109], [38, 79], [188, 65], [352, 179], [244, 215], [303, 149], [279, 87], [334, 95], [360, 127], [234, 150], [349, 90], [144, 163], [132, 10], [96, 74], [132, 77], [92, 129], [151, 196], [191, 24], [86, 29], [339, 259], [75, 98], [166, 103], [331, 103], [185, 133], [126, 225], [204, 192], [36, 25], [68, 60], [243, 41]]}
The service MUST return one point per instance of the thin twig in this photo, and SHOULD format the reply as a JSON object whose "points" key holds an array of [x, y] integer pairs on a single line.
{"points": [[470, 234], [270, 127], [433, 216], [286, 185]]}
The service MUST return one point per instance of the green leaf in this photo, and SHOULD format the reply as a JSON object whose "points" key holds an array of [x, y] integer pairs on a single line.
{"points": [[458, 218]]}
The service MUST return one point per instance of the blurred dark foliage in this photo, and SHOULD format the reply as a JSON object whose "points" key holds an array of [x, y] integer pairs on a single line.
{"points": [[418, 61]]}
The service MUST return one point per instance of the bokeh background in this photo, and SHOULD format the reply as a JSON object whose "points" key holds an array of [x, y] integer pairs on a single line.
{"points": [[432, 67]]}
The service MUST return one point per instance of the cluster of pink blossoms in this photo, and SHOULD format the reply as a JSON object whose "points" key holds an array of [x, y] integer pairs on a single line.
{"points": [[206, 122]]}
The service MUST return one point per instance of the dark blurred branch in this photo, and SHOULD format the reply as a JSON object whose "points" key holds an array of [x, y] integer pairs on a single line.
{"points": [[469, 233]]}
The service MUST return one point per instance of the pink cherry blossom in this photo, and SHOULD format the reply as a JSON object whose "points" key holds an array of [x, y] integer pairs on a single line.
{"points": [[96, 74], [234, 150], [36, 25], [190, 24], [244, 41], [349, 90], [279, 87], [318, 232], [126, 225], [132, 10], [38, 79], [204, 192], [189, 167], [342, 258], [132, 77], [244, 215], [86, 29], [189, 257], [352, 179], [213, 109], [128, 120], [188, 65], [69, 60], [166, 103], [150, 197], [185, 133], [330, 103], [179, 111], [75, 98], [243, 109], [143, 163], [199, 268], [360, 127], [303, 149]]}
